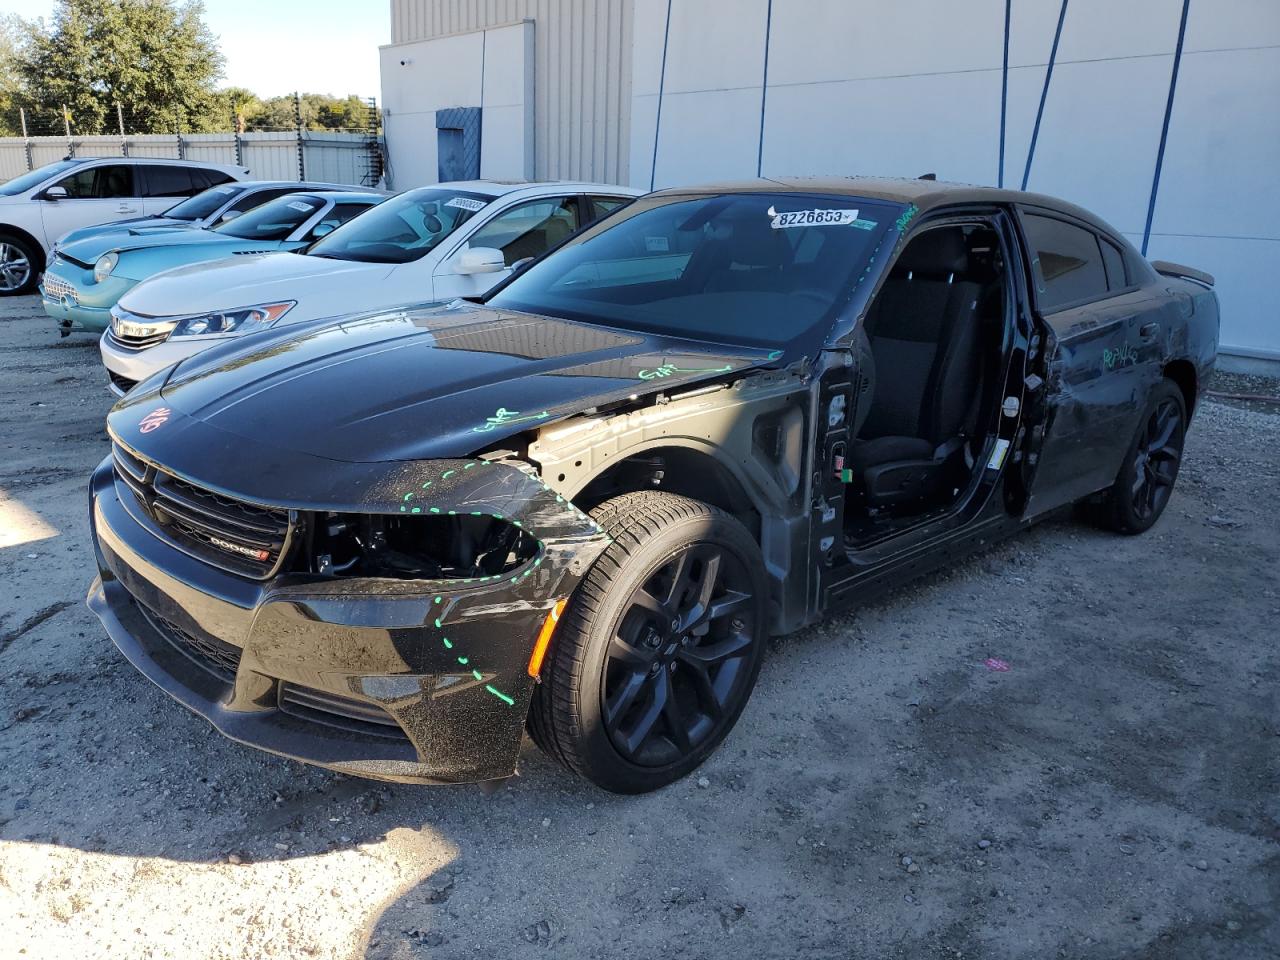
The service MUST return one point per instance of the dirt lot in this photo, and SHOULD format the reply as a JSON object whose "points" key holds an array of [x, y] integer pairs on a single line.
{"points": [[1115, 793]]}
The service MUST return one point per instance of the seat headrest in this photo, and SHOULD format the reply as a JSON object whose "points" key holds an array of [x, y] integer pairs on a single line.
{"points": [[935, 253], [756, 244]]}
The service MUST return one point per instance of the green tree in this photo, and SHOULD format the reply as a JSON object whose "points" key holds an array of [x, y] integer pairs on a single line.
{"points": [[10, 30], [154, 57]]}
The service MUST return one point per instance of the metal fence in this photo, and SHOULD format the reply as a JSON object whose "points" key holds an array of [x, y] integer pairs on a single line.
{"points": [[349, 155]]}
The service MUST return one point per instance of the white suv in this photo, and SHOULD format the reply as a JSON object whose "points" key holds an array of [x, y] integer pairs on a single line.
{"points": [[38, 207]]}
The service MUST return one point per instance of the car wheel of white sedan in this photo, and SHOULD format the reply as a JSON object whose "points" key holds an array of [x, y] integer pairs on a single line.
{"points": [[17, 266]]}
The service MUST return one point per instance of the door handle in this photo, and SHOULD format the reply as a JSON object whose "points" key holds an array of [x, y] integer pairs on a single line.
{"points": [[1148, 330], [125, 208]]}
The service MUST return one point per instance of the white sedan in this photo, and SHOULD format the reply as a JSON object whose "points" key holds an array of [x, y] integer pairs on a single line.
{"points": [[430, 244]]}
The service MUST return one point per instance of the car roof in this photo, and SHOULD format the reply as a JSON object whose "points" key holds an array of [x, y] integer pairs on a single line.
{"points": [[166, 161], [925, 194], [500, 188], [300, 184], [337, 196]]}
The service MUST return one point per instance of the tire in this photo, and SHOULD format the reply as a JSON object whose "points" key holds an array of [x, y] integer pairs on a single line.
{"points": [[20, 265], [1145, 483], [685, 674]]}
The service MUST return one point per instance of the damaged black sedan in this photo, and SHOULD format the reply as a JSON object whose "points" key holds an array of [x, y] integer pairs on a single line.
{"points": [[390, 544]]}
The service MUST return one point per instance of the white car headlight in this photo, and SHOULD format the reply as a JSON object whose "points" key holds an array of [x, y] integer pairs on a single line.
{"points": [[239, 320], [106, 263]]}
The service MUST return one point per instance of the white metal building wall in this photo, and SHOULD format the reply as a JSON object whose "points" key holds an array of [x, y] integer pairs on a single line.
{"points": [[582, 74], [914, 86]]}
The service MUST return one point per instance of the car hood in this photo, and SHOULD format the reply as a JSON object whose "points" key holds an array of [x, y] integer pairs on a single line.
{"points": [[244, 280], [419, 384], [123, 229], [91, 248]]}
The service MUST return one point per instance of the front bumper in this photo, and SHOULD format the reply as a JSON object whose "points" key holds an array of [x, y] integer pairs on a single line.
{"points": [[413, 681], [127, 366], [69, 295]]}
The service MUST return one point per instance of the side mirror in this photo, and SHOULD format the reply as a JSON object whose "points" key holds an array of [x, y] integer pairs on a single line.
{"points": [[229, 215], [55, 193], [480, 260], [321, 230]]}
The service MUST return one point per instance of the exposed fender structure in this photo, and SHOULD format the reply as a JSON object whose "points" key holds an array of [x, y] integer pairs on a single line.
{"points": [[756, 429]]}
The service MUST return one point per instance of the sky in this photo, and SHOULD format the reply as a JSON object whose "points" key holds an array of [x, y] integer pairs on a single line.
{"points": [[278, 46]]}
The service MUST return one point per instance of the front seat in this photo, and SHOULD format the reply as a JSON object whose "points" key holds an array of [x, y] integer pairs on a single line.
{"points": [[924, 339]]}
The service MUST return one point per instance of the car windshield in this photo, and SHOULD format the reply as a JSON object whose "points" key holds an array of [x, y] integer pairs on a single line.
{"points": [[403, 228], [204, 202], [274, 220], [753, 269], [24, 182]]}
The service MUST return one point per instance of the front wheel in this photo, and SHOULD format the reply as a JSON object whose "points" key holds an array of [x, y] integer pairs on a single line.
{"points": [[659, 648], [19, 265], [1145, 483]]}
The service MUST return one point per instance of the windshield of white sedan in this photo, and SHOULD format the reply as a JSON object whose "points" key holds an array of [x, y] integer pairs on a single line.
{"points": [[204, 202], [403, 228], [19, 184], [274, 220], [753, 269]]}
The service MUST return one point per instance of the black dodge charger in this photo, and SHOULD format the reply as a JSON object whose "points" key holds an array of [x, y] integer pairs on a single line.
{"points": [[389, 544]]}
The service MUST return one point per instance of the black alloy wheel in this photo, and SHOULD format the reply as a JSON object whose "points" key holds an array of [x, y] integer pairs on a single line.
{"points": [[659, 648], [1150, 470], [1158, 455], [680, 656]]}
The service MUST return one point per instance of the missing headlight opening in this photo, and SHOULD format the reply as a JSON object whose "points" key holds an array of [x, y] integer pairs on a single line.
{"points": [[441, 547]]}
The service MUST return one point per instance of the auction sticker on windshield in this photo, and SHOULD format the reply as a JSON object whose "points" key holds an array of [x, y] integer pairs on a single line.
{"points": [[466, 203], [818, 218], [299, 206]]}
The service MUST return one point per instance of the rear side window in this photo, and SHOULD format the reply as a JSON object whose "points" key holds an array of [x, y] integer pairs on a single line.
{"points": [[606, 205], [210, 178], [1117, 277], [1067, 260], [169, 182], [257, 198], [101, 183]]}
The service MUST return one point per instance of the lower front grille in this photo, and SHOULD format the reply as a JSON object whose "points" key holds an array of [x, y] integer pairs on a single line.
{"points": [[344, 713], [213, 655], [122, 383], [57, 289]]}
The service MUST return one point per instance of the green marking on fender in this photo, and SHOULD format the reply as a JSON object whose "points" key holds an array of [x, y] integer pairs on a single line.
{"points": [[447, 474], [463, 660], [499, 694], [667, 369], [414, 510], [408, 496], [437, 599], [437, 623], [469, 465], [435, 509], [477, 674], [427, 484], [448, 644]]}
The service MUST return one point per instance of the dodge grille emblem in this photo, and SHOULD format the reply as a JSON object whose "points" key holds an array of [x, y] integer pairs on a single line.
{"points": [[156, 418], [244, 551]]}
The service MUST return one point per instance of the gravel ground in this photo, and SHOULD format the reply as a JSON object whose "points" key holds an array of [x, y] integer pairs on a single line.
{"points": [[1112, 794]]}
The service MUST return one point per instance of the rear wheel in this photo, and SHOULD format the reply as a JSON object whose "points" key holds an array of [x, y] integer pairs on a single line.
{"points": [[19, 264], [1142, 490], [659, 648]]}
